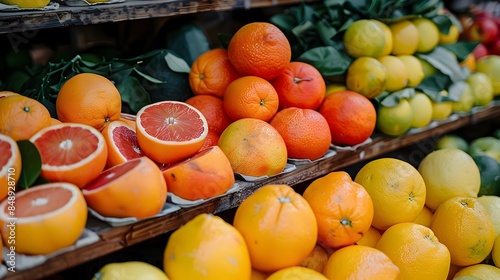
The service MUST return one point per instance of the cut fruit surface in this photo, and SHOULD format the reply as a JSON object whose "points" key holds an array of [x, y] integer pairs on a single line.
{"points": [[121, 140], [49, 217], [170, 131], [74, 153], [135, 188], [10, 165]]}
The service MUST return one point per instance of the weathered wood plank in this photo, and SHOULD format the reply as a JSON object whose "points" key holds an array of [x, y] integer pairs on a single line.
{"points": [[116, 238]]}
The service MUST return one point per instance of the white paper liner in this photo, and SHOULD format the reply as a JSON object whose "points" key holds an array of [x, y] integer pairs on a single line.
{"points": [[184, 203], [83, 3], [116, 222], [351, 148], [24, 262], [3, 271], [15, 8], [330, 153], [288, 168]]}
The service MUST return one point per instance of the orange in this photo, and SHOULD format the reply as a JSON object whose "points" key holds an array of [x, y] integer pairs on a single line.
{"points": [[469, 62], [128, 119], [317, 259], [478, 271], [259, 49], [465, 227], [254, 148], [396, 188], [300, 85], [370, 238], [250, 97], [211, 140], [278, 226], [73, 153], [10, 165], [416, 251], [257, 275], [49, 217], [207, 248], [360, 262], [305, 131], [424, 217], [211, 73], [21, 116], [121, 141], [350, 116], [121, 191], [170, 131], [343, 209], [54, 121], [89, 99], [212, 109], [296, 272], [6, 93], [202, 176]]}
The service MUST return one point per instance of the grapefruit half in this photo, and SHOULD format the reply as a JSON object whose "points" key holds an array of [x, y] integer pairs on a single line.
{"points": [[10, 165], [121, 140], [170, 131]]}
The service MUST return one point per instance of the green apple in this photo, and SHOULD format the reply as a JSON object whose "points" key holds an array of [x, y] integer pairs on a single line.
{"points": [[452, 141], [488, 145]]}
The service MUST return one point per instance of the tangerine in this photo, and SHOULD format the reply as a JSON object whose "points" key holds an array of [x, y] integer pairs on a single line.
{"points": [[212, 109]]}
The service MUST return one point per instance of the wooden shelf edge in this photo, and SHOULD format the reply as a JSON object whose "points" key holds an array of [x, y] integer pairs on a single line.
{"points": [[113, 239], [29, 22]]}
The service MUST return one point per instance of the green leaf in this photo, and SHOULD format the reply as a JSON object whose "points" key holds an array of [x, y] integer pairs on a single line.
{"points": [[147, 77], [443, 60], [327, 60], [31, 164], [455, 90], [176, 63], [432, 85], [394, 98], [133, 93], [188, 41], [461, 48]]}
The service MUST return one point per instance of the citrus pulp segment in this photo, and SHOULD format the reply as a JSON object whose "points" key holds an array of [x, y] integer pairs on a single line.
{"points": [[10, 165], [49, 217], [70, 152], [170, 131], [121, 140]]}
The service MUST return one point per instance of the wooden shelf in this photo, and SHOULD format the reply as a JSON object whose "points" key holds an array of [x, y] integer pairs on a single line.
{"points": [[115, 238], [28, 21]]}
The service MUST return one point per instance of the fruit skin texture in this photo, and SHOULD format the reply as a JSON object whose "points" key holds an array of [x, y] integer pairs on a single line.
{"points": [[360, 262], [478, 271], [300, 85], [414, 69], [131, 270], [305, 131], [21, 116], [428, 34], [492, 205], [364, 38], [203, 176], [397, 73], [405, 37], [490, 65], [279, 227], [370, 238], [212, 109], [140, 192], [395, 120], [448, 173], [8, 179], [495, 252], [44, 235], [124, 135], [396, 188], [207, 248], [90, 99], [343, 209], [351, 117], [296, 272], [417, 252], [443, 109], [317, 259], [421, 106], [465, 227], [481, 88], [79, 173], [367, 76], [259, 49], [211, 73], [254, 148]]}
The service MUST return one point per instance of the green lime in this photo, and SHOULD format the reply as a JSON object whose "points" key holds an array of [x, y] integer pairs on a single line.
{"points": [[489, 169]]}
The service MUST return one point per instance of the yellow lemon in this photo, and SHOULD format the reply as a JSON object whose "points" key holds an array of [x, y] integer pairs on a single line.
{"points": [[334, 87], [388, 38], [421, 106], [451, 37], [424, 217], [427, 68], [132, 270], [478, 271], [395, 120], [492, 205], [428, 34], [490, 65], [366, 75], [495, 252], [405, 37], [370, 238], [466, 101], [481, 88], [364, 38], [296, 272], [397, 73], [442, 110], [414, 69]]}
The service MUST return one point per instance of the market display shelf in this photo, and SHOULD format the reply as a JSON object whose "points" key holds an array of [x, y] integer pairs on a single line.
{"points": [[64, 15], [112, 239]]}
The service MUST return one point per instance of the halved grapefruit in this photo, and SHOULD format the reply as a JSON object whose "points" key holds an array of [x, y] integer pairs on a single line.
{"points": [[170, 131], [128, 119], [10, 165], [121, 140], [204, 175], [74, 153], [49, 217], [6, 93], [135, 188]]}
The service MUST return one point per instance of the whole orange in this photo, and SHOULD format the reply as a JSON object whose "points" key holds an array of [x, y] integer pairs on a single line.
{"points": [[89, 99], [360, 262], [300, 85], [250, 97], [211, 73], [343, 209], [296, 272], [305, 131], [417, 252], [21, 116], [465, 227], [317, 259], [278, 225], [254, 148], [211, 140], [212, 109], [351, 117], [259, 49]]}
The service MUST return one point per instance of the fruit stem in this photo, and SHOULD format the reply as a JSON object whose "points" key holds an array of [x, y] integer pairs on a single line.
{"points": [[345, 222], [297, 80]]}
